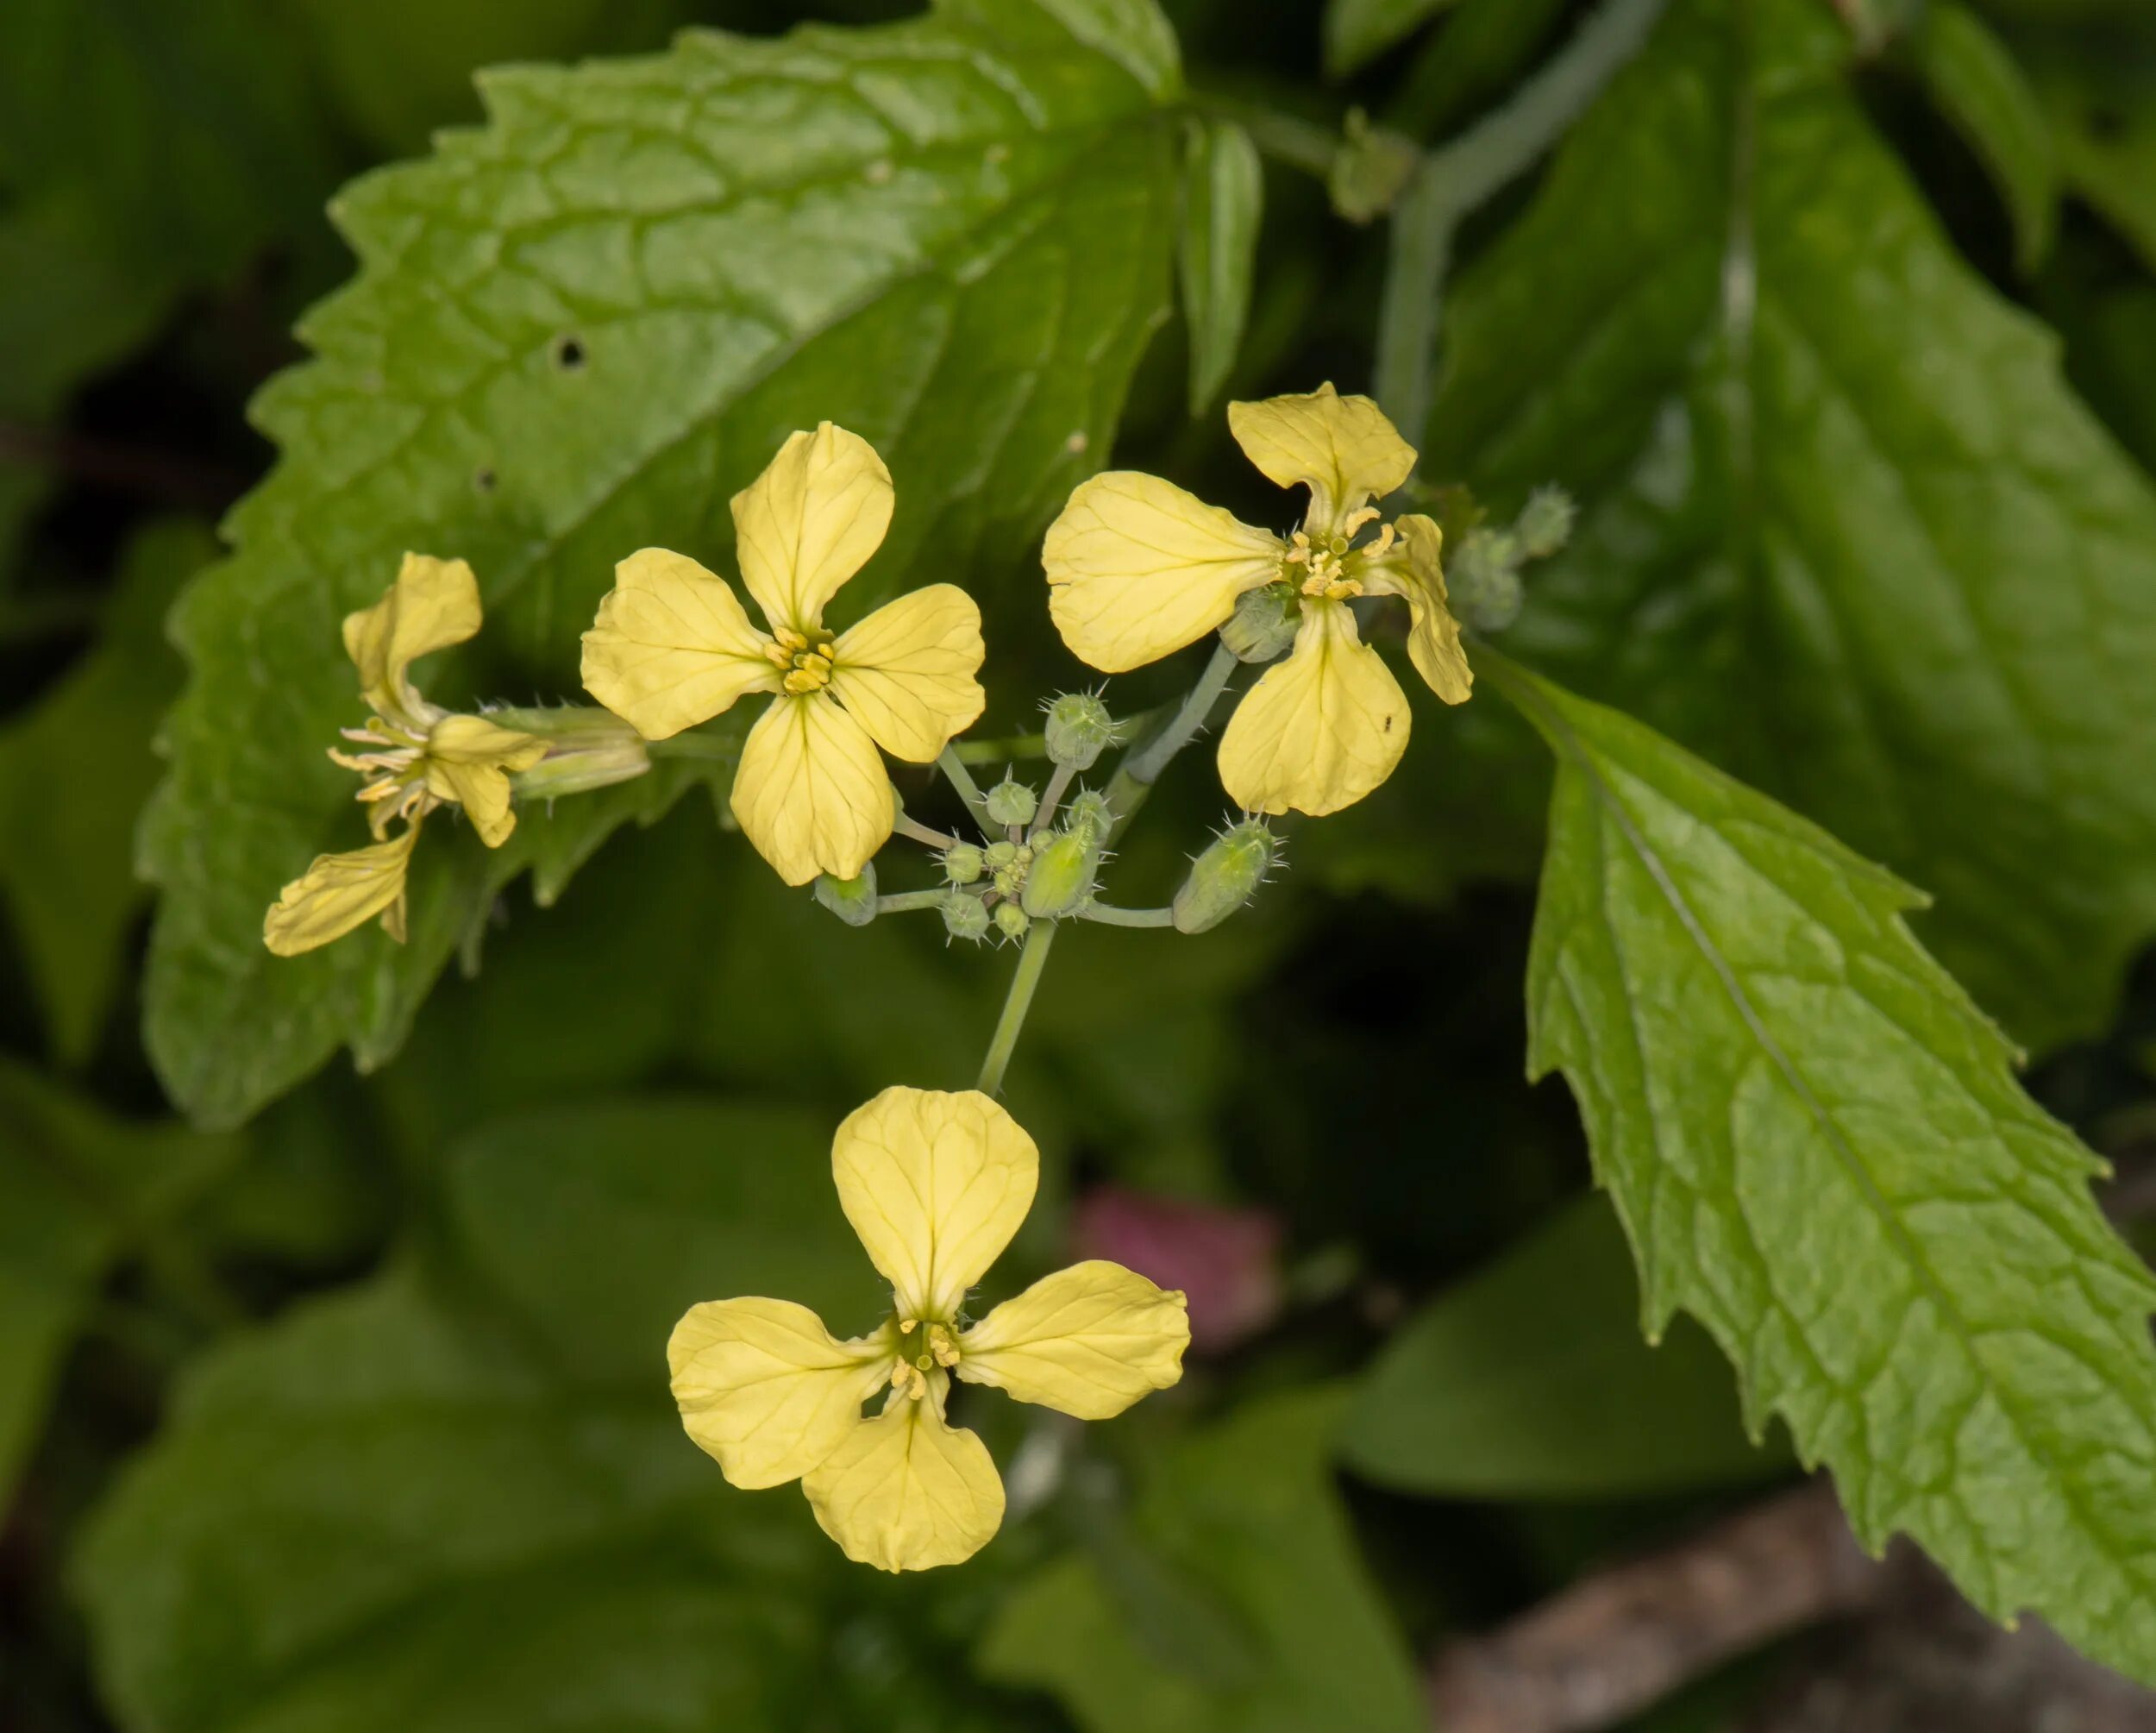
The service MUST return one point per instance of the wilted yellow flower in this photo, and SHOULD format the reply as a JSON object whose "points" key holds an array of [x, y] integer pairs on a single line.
{"points": [[1137, 569], [416, 757], [935, 1184], [673, 647]]}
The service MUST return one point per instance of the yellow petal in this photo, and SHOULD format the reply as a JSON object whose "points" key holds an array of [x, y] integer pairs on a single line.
{"points": [[766, 1390], [672, 646], [907, 1490], [936, 1184], [810, 522], [812, 793], [908, 671], [1137, 569], [338, 893], [1321, 729], [1433, 635], [1343, 448], [1090, 1340], [432, 604], [467, 761]]}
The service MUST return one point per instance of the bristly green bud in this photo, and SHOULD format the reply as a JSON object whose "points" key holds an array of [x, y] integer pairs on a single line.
{"points": [[1263, 625], [1223, 878], [586, 749], [1087, 812], [1011, 920], [999, 854], [852, 900], [1061, 876], [966, 917], [1012, 803], [963, 862], [1370, 169], [1545, 523], [1079, 730], [1483, 579]]}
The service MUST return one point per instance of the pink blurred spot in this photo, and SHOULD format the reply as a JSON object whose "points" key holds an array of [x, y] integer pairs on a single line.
{"points": [[1227, 1260]]}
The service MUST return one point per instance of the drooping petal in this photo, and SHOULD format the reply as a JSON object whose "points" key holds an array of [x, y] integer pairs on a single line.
{"points": [[907, 1490], [338, 893], [810, 522], [1137, 569], [811, 793], [469, 759], [936, 1184], [766, 1390], [1090, 1340], [1417, 572], [432, 604], [909, 671], [672, 645], [1321, 729], [1344, 449]]}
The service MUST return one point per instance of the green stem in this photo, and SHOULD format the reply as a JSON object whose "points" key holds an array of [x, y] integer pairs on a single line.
{"points": [[904, 902], [969, 790], [1052, 797], [1142, 766], [1108, 915], [919, 832], [1002, 751], [1015, 1003], [1285, 138]]}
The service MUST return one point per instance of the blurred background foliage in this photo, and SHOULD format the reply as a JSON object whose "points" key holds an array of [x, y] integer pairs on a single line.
{"points": [[346, 1410]]}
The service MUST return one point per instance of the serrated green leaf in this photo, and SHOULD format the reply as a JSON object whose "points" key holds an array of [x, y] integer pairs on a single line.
{"points": [[1817, 1148], [2104, 117], [324, 1525], [1974, 78], [1357, 31], [1241, 1538], [1846, 528], [578, 332], [1224, 198], [1529, 1380]]}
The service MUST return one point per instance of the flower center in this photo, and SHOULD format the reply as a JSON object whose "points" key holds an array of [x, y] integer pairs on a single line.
{"points": [[921, 1349], [1321, 568], [392, 771], [805, 659]]}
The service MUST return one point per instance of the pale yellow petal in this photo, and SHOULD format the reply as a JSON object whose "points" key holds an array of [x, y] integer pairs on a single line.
{"points": [[1090, 1341], [1344, 449], [909, 671], [432, 604], [672, 646], [1321, 729], [338, 893], [1137, 569], [810, 522], [1417, 572], [766, 1390], [907, 1490], [936, 1184], [812, 794], [467, 761]]}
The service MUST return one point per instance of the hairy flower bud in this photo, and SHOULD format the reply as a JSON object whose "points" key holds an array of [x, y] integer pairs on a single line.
{"points": [[1088, 813], [852, 900], [1011, 920], [1263, 624], [586, 749], [1223, 878], [1483, 579], [1060, 875], [1012, 803], [1544, 523], [999, 854], [965, 916], [1079, 730], [962, 863]]}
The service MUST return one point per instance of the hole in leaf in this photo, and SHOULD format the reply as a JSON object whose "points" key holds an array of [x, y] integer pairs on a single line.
{"points": [[483, 479], [568, 352]]}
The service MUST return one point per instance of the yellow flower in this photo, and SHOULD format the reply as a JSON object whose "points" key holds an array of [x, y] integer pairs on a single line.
{"points": [[1137, 569], [417, 757], [673, 647], [935, 1184]]}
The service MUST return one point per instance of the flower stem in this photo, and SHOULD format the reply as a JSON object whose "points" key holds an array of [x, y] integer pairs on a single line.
{"points": [[1015, 1003], [969, 790], [1286, 138], [1142, 766], [919, 832], [1002, 751], [1108, 915], [903, 901], [1052, 797]]}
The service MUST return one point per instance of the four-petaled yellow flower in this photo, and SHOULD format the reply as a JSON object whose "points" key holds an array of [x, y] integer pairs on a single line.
{"points": [[417, 757], [1138, 568], [935, 1184], [673, 647]]}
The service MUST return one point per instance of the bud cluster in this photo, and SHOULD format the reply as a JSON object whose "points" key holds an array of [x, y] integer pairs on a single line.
{"points": [[1483, 575]]}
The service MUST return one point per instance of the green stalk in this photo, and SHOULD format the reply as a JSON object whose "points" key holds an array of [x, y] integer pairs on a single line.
{"points": [[1015, 1003], [1142, 766]]}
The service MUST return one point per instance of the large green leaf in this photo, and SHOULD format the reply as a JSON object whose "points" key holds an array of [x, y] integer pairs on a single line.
{"points": [[1817, 1148], [458, 1497], [578, 332], [1529, 1380], [1848, 531], [1236, 1601]]}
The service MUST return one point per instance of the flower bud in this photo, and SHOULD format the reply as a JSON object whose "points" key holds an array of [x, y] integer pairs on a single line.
{"points": [[1088, 813], [1483, 579], [1370, 169], [852, 900], [998, 854], [1222, 879], [965, 917], [1263, 625], [1080, 729], [586, 749], [962, 863], [1011, 920], [1012, 803], [1544, 523], [1060, 875]]}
